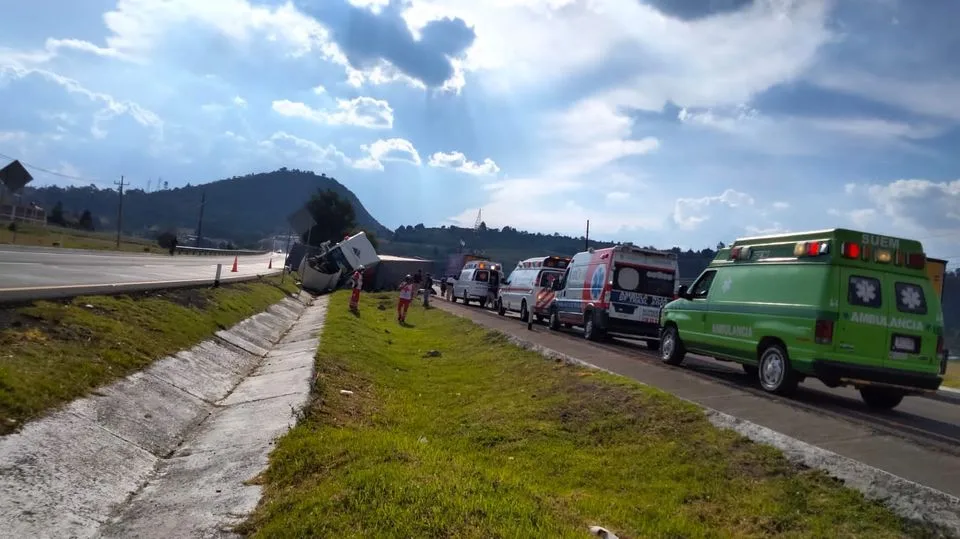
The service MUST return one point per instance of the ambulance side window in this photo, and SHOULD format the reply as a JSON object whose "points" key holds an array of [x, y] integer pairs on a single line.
{"points": [[701, 288], [864, 292], [910, 298]]}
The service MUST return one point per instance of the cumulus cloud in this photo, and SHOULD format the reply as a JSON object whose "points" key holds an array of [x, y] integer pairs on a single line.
{"points": [[393, 149], [359, 111], [689, 213], [292, 149], [919, 205], [459, 162]]}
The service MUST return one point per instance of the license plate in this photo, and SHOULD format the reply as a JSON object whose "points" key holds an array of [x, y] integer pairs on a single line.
{"points": [[904, 344]]}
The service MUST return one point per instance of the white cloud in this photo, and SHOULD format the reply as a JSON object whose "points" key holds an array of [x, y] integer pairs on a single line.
{"points": [[110, 106], [289, 148], [589, 135], [394, 149], [780, 205], [459, 162], [689, 213], [319, 89], [927, 97], [617, 196], [359, 111], [240, 102], [917, 206]]}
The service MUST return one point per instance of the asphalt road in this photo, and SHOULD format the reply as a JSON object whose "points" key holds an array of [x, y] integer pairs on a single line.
{"points": [[49, 267], [919, 440]]}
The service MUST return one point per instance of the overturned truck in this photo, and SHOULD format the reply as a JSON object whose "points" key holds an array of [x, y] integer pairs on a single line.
{"points": [[332, 267]]}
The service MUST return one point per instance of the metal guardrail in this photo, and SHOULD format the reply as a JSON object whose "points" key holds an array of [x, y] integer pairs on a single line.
{"points": [[201, 251]]}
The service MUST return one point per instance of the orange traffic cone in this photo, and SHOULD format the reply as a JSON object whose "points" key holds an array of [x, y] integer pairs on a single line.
{"points": [[270, 264], [234, 270]]}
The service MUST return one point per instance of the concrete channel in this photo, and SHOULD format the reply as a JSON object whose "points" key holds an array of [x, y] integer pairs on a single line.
{"points": [[166, 452]]}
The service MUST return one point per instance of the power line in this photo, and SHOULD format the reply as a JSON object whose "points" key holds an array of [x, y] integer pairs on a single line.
{"points": [[48, 171]]}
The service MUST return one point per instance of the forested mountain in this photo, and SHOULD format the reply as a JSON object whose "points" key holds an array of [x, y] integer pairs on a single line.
{"points": [[243, 209], [509, 245]]}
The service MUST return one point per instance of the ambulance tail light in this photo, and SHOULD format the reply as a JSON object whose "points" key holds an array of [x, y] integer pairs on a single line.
{"points": [[850, 250], [916, 260], [823, 332]]}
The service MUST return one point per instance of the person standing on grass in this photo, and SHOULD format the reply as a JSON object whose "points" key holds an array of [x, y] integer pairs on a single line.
{"points": [[427, 290], [407, 288], [357, 282]]}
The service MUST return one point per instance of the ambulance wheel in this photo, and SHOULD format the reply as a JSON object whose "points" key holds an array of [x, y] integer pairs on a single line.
{"points": [[500, 309], [591, 331], [672, 351], [554, 323], [524, 313], [775, 373], [881, 398]]}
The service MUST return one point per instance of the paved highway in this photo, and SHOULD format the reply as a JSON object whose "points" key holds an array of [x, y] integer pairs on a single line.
{"points": [[48, 267], [919, 440]]}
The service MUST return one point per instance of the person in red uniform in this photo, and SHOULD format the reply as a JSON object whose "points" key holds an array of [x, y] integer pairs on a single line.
{"points": [[357, 282]]}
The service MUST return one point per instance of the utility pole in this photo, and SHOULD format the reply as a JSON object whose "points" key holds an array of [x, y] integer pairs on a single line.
{"points": [[586, 239], [119, 210], [203, 202]]}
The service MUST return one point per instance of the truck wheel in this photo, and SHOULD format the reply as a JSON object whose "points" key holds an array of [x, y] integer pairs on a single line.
{"points": [[524, 313], [500, 309], [554, 323], [672, 351], [881, 398], [775, 373]]}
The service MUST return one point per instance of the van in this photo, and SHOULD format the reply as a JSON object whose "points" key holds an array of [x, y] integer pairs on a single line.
{"points": [[529, 288], [848, 308], [616, 290], [479, 281]]}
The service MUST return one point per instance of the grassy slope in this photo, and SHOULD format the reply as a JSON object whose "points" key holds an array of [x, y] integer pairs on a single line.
{"points": [[52, 353], [68, 238], [488, 440]]}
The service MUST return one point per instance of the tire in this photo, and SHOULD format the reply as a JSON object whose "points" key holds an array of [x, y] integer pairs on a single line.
{"points": [[554, 323], [500, 309], [672, 350], [751, 370], [590, 330], [775, 373], [524, 313], [881, 398]]}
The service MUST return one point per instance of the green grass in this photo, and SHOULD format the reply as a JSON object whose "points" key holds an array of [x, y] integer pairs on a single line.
{"points": [[68, 238], [488, 440], [52, 353]]}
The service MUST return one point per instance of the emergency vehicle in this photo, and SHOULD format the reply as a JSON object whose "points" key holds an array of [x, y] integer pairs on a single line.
{"points": [[479, 281], [846, 307], [618, 290], [529, 288]]}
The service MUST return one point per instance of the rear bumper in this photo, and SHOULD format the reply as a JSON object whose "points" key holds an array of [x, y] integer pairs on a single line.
{"points": [[629, 327], [834, 372]]}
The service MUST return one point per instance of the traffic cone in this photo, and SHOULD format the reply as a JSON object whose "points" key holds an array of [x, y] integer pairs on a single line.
{"points": [[234, 270], [270, 264]]}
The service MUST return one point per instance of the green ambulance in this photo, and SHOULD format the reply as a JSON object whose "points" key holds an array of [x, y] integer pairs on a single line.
{"points": [[846, 307]]}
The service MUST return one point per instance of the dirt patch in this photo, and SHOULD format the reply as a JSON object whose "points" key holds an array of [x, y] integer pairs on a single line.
{"points": [[197, 298], [330, 406]]}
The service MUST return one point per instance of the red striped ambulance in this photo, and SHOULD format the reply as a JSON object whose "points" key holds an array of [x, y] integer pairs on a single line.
{"points": [[529, 288]]}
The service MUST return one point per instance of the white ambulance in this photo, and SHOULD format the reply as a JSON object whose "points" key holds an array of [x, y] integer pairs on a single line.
{"points": [[529, 288], [479, 281]]}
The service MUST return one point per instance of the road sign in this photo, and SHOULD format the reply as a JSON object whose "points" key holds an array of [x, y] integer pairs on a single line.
{"points": [[14, 176]]}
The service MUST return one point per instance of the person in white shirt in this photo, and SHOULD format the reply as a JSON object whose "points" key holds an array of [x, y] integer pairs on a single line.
{"points": [[407, 289]]}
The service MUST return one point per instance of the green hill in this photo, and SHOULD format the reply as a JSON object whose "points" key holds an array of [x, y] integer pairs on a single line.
{"points": [[244, 209]]}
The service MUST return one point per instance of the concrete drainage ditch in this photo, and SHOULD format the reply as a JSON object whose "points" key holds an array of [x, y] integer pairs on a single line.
{"points": [[165, 452]]}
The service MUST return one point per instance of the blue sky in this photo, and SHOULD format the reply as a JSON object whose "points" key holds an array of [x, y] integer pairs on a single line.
{"points": [[679, 122]]}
